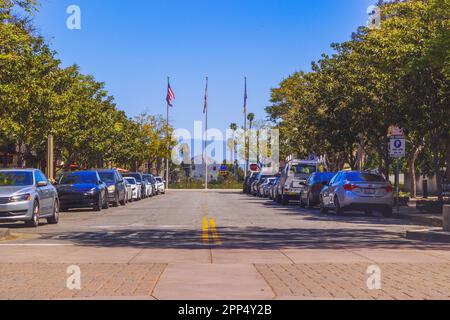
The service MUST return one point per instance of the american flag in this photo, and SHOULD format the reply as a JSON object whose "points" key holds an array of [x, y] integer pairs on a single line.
{"points": [[245, 97], [170, 95], [205, 108]]}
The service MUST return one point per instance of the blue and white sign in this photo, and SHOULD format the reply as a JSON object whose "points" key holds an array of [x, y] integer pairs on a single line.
{"points": [[398, 147]]}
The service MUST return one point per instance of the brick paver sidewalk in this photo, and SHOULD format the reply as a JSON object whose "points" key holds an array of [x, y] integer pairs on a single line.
{"points": [[349, 281], [48, 281]]}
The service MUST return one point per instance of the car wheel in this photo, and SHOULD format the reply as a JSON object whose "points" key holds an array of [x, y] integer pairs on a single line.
{"points": [[34, 222], [55, 218], [105, 202], [302, 205], [124, 201], [100, 203], [388, 212], [337, 206], [278, 199], [323, 209], [116, 200], [308, 202]]}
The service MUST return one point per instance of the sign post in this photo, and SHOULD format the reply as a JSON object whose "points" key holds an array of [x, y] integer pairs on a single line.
{"points": [[398, 150]]}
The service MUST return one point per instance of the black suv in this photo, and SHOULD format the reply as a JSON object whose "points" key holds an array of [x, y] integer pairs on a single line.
{"points": [[117, 192], [140, 181]]}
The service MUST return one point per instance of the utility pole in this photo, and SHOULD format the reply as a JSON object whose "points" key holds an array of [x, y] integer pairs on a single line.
{"points": [[50, 158]]}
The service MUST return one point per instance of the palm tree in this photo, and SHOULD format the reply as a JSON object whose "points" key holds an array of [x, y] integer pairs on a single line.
{"points": [[251, 118], [234, 128]]}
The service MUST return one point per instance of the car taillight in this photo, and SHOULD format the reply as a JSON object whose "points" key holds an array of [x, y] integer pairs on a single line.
{"points": [[350, 187], [388, 189]]}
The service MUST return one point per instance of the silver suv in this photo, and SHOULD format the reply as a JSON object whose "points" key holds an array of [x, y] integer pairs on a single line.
{"points": [[356, 190], [26, 195]]}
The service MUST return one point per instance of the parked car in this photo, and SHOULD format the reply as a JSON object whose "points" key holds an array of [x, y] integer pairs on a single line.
{"points": [[260, 178], [135, 188], [26, 195], [160, 185], [265, 187], [355, 190], [140, 182], [310, 194], [117, 193], [129, 190], [251, 177], [82, 189], [292, 179], [273, 188], [151, 184]]}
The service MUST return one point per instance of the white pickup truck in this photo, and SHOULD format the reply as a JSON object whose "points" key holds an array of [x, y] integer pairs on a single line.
{"points": [[292, 179]]}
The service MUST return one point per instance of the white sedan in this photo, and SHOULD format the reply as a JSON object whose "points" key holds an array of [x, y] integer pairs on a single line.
{"points": [[136, 189], [160, 185]]}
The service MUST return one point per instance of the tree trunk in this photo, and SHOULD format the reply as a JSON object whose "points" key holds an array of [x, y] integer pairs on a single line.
{"points": [[412, 170], [437, 167], [448, 159], [20, 154]]}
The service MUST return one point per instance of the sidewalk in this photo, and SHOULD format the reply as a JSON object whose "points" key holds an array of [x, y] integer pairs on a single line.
{"points": [[4, 233], [413, 214]]}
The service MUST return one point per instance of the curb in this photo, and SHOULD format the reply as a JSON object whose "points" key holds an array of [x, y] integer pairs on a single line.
{"points": [[427, 220], [4, 233], [429, 235]]}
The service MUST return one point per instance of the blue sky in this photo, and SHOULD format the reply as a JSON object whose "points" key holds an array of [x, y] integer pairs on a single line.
{"points": [[134, 45]]}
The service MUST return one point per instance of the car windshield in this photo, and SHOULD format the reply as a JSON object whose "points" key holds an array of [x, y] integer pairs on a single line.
{"points": [[130, 180], [136, 176], [323, 177], [303, 169], [16, 179], [79, 178], [361, 176], [158, 179], [107, 177]]}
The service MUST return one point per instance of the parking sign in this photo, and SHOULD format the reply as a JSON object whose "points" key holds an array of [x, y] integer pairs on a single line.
{"points": [[398, 147]]}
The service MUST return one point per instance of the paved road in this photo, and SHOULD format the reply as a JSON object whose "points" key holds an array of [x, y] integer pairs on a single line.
{"points": [[220, 245]]}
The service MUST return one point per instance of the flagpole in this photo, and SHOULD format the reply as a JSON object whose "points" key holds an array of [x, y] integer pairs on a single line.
{"points": [[245, 131], [206, 135], [167, 137]]}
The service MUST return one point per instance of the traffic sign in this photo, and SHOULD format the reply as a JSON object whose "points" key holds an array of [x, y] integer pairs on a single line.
{"points": [[398, 147]]}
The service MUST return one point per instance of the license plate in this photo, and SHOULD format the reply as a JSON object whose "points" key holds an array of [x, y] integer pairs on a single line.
{"points": [[369, 191]]}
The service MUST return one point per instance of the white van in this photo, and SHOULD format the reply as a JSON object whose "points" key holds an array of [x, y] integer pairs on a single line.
{"points": [[293, 178]]}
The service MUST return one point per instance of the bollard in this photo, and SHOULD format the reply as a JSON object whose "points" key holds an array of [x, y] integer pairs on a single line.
{"points": [[425, 188], [446, 212]]}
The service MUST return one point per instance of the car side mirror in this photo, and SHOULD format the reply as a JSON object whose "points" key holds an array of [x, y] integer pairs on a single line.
{"points": [[41, 184]]}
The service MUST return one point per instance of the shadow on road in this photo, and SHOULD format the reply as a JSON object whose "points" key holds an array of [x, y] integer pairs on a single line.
{"points": [[246, 238], [354, 217]]}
